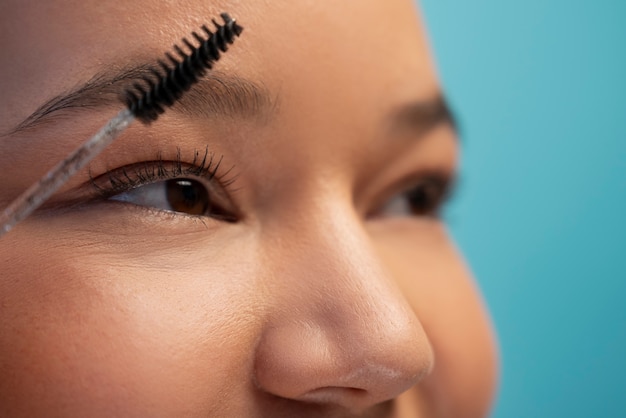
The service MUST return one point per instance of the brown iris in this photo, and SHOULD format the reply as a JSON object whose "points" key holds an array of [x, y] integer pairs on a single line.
{"points": [[187, 196], [427, 196]]}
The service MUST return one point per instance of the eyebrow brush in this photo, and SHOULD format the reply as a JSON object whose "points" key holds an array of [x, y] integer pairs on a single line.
{"points": [[144, 101]]}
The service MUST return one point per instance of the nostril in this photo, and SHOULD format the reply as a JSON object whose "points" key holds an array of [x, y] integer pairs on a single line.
{"points": [[355, 399], [333, 394]]}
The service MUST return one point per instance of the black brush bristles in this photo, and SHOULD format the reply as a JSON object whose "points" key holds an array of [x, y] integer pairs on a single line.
{"points": [[147, 101]]}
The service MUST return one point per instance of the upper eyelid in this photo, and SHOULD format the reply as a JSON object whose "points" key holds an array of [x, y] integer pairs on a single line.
{"points": [[206, 168], [407, 183]]}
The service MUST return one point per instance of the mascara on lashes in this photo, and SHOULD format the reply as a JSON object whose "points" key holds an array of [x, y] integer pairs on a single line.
{"points": [[144, 102]]}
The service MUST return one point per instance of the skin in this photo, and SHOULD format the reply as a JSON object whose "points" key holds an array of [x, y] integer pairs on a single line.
{"points": [[321, 299]]}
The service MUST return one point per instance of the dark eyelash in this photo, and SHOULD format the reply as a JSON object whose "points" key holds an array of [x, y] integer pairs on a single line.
{"points": [[203, 165]]}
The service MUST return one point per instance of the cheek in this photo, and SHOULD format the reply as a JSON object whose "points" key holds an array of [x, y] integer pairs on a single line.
{"points": [[83, 328], [435, 281]]}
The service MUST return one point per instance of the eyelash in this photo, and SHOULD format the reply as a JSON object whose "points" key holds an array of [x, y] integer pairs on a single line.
{"points": [[203, 168]]}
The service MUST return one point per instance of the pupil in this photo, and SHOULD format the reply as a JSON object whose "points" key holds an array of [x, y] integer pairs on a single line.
{"points": [[424, 198], [187, 196], [418, 200]]}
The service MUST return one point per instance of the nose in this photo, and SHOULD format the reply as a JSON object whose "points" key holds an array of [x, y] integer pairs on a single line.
{"points": [[339, 330]]}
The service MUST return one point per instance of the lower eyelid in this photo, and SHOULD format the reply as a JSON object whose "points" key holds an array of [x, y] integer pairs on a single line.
{"points": [[98, 219], [121, 208]]}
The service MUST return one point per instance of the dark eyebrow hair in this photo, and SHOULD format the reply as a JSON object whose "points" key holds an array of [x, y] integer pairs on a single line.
{"points": [[423, 115], [216, 94]]}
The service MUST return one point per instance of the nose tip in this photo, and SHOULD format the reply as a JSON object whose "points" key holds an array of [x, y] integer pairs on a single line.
{"points": [[344, 356]]}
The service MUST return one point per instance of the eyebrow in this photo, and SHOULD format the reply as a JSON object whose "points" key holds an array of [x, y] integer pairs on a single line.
{"points": [[216, 94], [423, 115]]}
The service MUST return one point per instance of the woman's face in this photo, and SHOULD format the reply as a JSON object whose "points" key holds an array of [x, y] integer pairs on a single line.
{"points": [[270, 247]]}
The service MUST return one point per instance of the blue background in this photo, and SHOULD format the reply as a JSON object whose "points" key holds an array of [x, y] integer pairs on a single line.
{"points": [[538, 86]]}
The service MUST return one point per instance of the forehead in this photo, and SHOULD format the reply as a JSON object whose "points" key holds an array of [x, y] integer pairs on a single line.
{"points": [[314, 54]]}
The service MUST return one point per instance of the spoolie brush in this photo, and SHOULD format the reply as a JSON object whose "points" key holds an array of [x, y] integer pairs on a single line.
{"points": [[144, 102], [147, 101]]}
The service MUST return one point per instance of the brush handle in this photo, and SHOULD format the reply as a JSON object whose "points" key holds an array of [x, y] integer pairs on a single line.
{"points": [[39, 192]]}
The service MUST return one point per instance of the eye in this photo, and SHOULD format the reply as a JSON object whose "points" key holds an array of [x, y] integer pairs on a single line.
{"points": [[425, 198], [187, 196], [196, 188]]}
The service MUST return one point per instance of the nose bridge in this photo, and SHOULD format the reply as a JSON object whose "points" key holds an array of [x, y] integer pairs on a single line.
{"points": [[338, 320], [345, 282], [325, 254]]}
